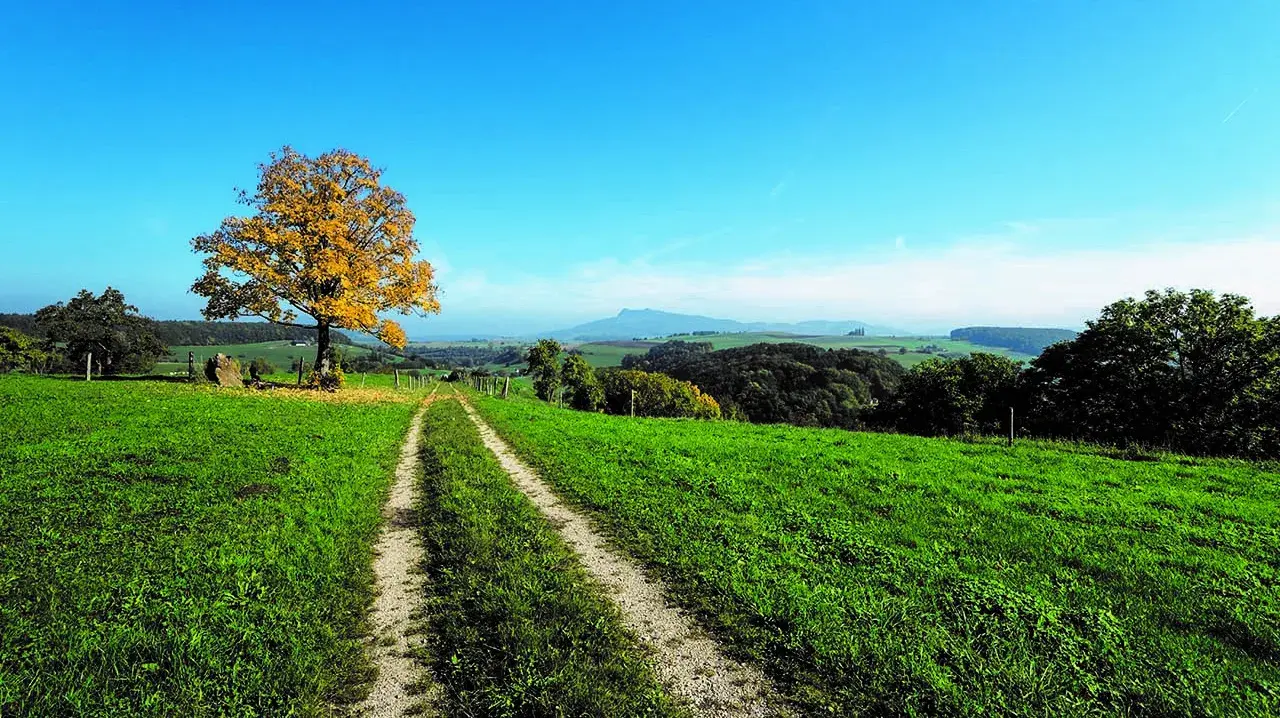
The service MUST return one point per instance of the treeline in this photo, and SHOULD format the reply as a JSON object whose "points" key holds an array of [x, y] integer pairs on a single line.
{"points": [[184, 332], [1024, 340], [781, 383], [1191, 372], [187, 332], [467, 356]]}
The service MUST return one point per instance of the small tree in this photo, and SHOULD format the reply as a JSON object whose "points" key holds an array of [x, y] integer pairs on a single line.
{"points": [[543, 358], [581, 385], [121, 340], [328, 241], [19, 352]]}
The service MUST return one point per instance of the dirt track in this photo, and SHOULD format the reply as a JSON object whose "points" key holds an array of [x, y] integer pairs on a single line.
{"points": [[686, 659]]}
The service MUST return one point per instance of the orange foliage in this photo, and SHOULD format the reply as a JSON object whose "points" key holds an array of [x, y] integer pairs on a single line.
{"points": [[327, 240]]}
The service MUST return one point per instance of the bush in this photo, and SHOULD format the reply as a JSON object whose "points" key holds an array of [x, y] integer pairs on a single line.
{"points": [[260, 367], [333, 382], [655, 395]]}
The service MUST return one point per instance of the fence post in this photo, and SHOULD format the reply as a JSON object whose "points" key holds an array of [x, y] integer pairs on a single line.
{"points": [[633, 403], [88, 366], [397, 373], [191, 365], [505, 387], [302, 364], [362, 381], [1011, 426]]}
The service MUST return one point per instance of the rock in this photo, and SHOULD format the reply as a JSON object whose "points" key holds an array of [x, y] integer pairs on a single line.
{"points": [[223, 371]]}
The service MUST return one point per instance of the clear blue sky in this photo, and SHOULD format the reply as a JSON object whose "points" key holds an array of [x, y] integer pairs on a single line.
{"points": [[919, 164]]}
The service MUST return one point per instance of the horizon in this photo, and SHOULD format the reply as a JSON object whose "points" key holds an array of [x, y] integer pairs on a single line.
{"points": [[913, 166]]}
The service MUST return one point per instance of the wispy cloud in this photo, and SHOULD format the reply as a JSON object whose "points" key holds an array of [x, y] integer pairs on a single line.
{"points": [[1242, 104], [780, 187], [680, 243], [967, 281]]}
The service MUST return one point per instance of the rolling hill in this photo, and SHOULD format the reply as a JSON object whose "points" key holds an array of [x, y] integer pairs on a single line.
{"points": [[633, 323]]}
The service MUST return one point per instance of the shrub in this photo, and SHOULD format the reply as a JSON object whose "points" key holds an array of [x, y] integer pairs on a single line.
{"points": [[332, 381], [260, 367], [655, 395]]}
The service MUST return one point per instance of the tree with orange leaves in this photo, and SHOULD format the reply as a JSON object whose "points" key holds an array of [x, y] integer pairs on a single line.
{"points": [[327, 241]]}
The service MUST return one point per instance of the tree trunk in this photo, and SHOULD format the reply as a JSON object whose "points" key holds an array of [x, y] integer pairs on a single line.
{"points": [[324, 352]]}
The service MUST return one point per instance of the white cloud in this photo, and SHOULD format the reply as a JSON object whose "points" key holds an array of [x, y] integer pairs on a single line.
{"points": [[1003, 278]]}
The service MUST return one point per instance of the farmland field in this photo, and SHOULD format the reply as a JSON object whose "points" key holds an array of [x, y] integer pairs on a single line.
{"points": [[168, 549], [280, 353], [885, 574], [611, 353]]}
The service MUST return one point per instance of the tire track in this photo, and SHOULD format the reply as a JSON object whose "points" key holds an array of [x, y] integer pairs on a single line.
{"points": [[687, 660]]}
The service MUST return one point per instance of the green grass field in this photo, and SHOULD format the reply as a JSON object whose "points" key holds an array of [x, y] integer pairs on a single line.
{"points": [[896, 575], [168, 549], [281, 354], [516, 626], [611, 353]]}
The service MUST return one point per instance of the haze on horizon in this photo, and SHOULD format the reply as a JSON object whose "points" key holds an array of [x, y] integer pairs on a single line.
{"points": [[912, 164]]}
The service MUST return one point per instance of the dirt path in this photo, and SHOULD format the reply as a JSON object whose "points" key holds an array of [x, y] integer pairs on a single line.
{"points": [[398, 585], [686, 659]]}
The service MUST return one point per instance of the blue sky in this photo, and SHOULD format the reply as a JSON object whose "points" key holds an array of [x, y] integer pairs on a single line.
{"points": [[918, 164]]}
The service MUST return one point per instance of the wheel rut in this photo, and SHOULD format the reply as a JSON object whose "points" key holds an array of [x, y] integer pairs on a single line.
{"points": [[398, 583], [686, 659]]}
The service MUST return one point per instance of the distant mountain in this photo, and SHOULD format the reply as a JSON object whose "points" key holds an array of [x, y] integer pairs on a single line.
{"points": [[634, 323]]}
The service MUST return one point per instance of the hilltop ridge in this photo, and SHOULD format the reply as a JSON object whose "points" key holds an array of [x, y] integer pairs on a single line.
{"points": [[632, 323]]}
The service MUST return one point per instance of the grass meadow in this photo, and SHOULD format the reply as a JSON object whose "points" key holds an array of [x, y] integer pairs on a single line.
{"points": [[168, 549], [896, 575], [280, 354], [516, 627]]}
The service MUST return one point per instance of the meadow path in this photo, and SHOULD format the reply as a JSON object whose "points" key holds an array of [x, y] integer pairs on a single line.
{"points": [[686, 659], [398, 584]]}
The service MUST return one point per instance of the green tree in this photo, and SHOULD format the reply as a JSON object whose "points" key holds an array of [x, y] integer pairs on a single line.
{"points": [[1193, 371], [543, 359], [955, 396], [19, 352], [120, 339], [655, 395], [582, 388]]}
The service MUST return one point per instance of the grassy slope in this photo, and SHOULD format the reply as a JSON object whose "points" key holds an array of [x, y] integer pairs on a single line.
{"points": [[134, 581], [517, 627], [598, 354], [895, 574], [280, 353]]}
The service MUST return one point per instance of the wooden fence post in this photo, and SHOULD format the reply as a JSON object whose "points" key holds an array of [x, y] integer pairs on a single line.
{"points": [[362, 381], [302, 364], [633, 403], [1011, 426], [506, 387], [397, 373], [88, 366], [191, 365]]}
